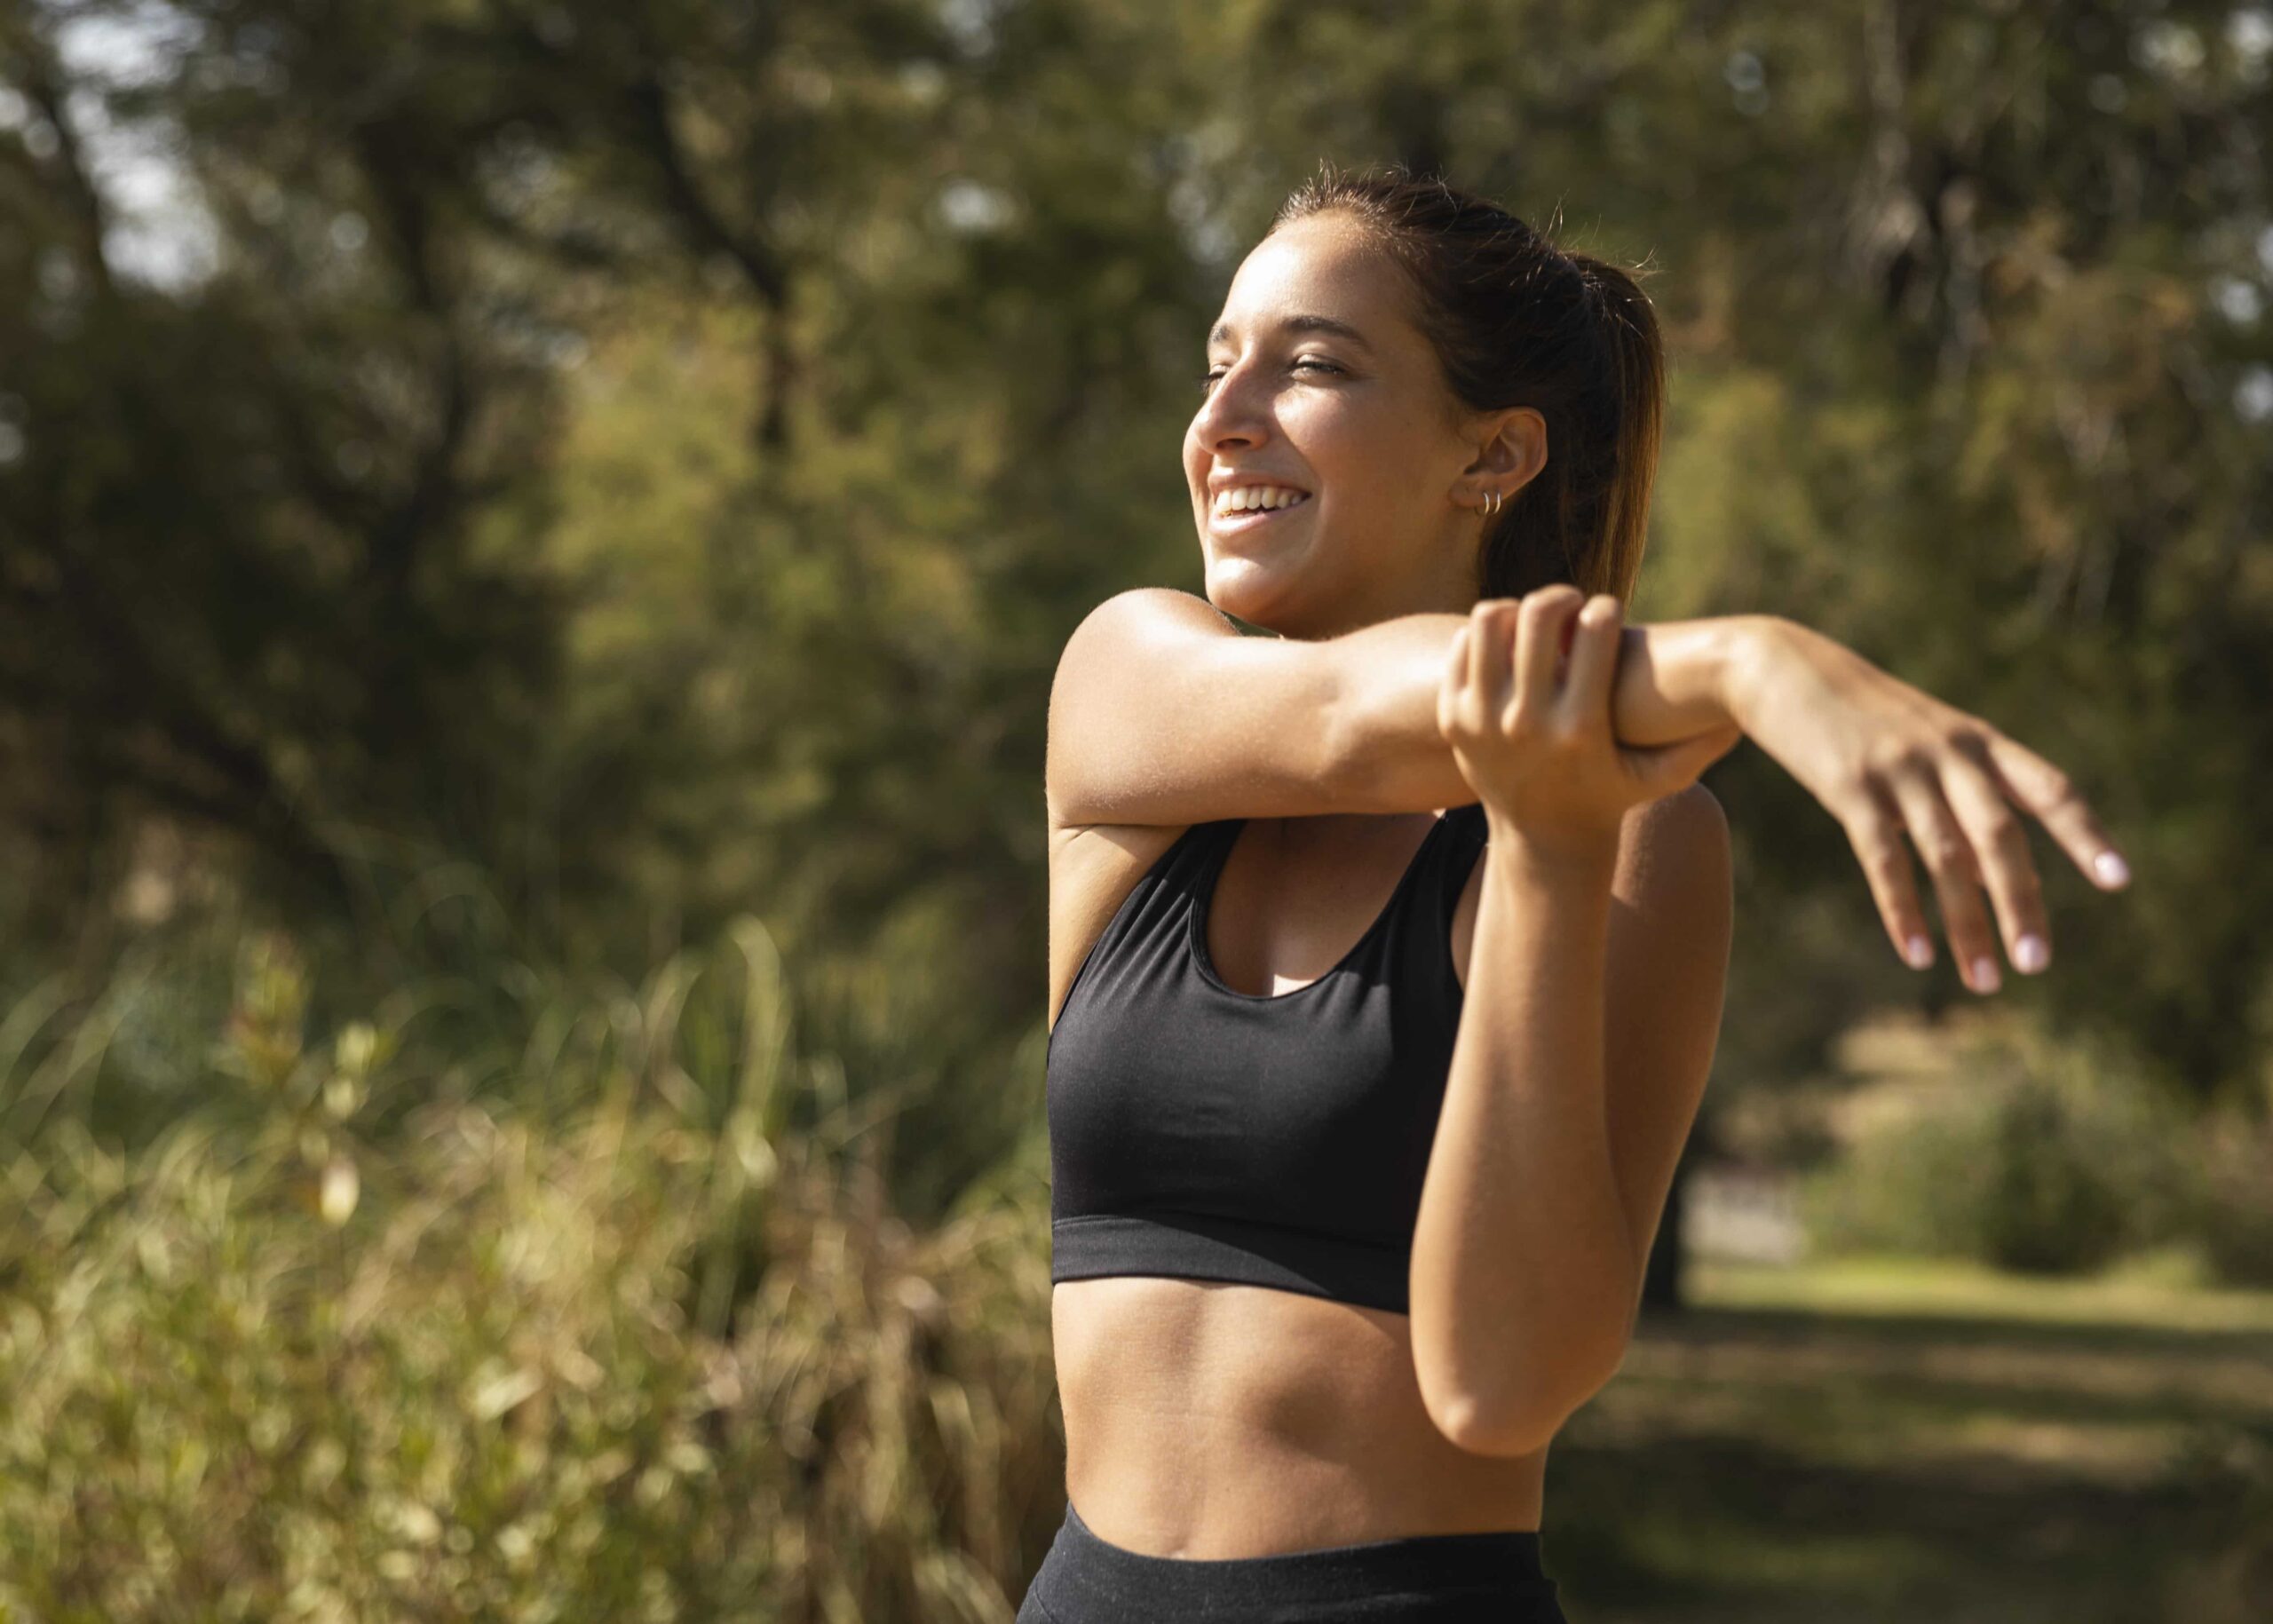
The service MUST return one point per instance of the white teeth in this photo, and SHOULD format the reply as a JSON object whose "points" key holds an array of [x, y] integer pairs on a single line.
{"points": [[1245, 498]]}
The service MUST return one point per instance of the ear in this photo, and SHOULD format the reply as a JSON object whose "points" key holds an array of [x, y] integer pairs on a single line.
{"points": [[1511, 450]]}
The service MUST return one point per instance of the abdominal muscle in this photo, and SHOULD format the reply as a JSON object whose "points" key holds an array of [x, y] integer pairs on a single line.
{"points": [[1207, 1419]]}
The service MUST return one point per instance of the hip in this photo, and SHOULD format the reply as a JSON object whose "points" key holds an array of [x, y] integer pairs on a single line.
{"points": [[1476, 1578]]}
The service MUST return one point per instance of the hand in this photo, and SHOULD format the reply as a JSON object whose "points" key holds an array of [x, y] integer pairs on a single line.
{"points": [[1535, 744], [1886, 758]]}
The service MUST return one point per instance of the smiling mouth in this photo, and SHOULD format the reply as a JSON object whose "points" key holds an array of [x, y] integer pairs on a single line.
{"points": [[1246, 518]]}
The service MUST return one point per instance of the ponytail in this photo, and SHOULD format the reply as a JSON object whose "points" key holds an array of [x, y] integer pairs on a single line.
{"points": [[1628, 330]]}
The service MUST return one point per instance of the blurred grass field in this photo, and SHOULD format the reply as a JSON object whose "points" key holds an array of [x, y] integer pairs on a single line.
{"points": [[1885, 1438]]}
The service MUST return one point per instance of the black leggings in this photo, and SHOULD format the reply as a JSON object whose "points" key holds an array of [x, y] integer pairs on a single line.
{"points": [[1428, 1579]]}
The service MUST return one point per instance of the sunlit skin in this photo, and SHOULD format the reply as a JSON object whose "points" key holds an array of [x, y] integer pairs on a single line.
{"points": [[1211, 1419], [1396, 469]]}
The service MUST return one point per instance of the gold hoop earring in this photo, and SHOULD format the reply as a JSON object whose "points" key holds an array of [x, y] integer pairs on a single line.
{"points": [[1491, 503]]}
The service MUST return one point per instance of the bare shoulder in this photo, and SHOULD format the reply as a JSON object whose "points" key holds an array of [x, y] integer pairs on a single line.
{"points": [[1164, 712], [1127, 628], [1137, 609]]}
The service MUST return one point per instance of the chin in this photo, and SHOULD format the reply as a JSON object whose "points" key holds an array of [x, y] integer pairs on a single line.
{"points": [[1260, 594]]}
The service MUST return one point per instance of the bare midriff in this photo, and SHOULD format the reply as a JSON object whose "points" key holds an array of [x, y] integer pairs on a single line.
{"points": [[1206, 1420]]}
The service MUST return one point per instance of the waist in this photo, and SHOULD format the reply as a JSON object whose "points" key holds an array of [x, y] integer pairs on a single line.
{"points": [[1209, 1420]]}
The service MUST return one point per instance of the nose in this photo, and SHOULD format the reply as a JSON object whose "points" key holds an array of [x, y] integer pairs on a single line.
{"points": [[1232, 414]]}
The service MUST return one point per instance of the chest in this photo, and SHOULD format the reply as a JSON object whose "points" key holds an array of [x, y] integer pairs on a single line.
{"points": [[1172, 1089]]}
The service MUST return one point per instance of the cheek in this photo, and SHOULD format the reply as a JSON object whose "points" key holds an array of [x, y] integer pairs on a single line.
{"points": [[1358, 420], [1355, 452]]}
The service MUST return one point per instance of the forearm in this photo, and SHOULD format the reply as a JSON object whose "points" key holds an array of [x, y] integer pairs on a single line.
{"points": [[1524, 1275], [1675, 680]]}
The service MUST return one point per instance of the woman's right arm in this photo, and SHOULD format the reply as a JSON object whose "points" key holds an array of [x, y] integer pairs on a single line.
{"points": [[1163, 712]]}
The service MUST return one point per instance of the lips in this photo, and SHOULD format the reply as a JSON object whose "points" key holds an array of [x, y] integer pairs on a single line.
{"points": [[1250, 518]]}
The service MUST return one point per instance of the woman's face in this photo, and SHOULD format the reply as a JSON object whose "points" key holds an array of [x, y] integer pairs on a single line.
{"points": [[1323, 393]]}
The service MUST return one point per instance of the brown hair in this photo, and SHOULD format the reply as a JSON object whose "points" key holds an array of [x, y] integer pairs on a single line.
{"points": [[1516, 321]]}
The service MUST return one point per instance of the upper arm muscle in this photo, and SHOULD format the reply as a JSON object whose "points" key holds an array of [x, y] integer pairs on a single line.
{"points": [[1162, 712], [1668, 970]]}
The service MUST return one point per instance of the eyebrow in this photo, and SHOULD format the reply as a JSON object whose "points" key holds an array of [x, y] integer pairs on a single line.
{"points": [[1302, 324]]}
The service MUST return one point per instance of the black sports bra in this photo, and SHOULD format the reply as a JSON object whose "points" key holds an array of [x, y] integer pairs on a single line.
{"points": [[1205, 1133]]}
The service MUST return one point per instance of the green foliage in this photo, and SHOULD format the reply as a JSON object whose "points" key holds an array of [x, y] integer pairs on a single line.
{"points": [[643, 1335], [644, 461], [2042, 1154], [499, 1364], [626, 473], [2236, 1205], [2055, 1198]]}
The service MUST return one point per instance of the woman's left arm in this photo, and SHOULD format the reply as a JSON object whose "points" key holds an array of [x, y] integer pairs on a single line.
{"points": [[1596, 986], [1594, 991]]}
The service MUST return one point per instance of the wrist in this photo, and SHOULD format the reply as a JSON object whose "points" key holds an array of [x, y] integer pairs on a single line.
{"points": [[1582, 860], [1743, 655]]}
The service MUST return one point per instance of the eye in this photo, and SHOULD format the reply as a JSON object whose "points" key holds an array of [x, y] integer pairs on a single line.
{"points": [[1210, 376]]}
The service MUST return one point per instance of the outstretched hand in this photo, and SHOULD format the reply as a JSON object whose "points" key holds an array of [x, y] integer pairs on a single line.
{"points": [[1889, 759]]}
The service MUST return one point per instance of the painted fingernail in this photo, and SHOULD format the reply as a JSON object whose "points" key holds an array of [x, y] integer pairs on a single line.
{"points": [[1918, 954], [2111, 870], [2030, 953], [1985, 979]]}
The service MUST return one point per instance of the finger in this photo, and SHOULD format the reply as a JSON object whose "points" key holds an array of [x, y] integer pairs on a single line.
{"points": [[1490, 677], [1999, 842], [2051, 795], [1874, 827], [1584, 700], [1539, 646], [1950, 858]]}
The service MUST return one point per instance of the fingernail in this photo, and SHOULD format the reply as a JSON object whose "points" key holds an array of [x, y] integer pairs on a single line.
{"points": [[2111, 870], [1918, 954], [1985, 979], [2030, 953]]}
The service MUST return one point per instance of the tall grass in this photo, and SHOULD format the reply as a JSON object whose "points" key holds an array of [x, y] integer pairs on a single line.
{"points": [[592, 1301], [637, 1335]]}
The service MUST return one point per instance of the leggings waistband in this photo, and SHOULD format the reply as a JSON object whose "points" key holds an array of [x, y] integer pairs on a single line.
{"points": [[1086, 1579]]}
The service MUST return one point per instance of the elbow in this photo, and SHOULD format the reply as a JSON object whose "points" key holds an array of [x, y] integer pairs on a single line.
{"points": [[1520, 1418], [1474, 1428]]}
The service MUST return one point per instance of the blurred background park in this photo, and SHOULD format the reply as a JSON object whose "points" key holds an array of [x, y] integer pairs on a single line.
{"points": [[533, 538]]}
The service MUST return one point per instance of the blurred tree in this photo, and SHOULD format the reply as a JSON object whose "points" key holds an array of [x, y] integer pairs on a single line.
{"points": [[652, 455]]}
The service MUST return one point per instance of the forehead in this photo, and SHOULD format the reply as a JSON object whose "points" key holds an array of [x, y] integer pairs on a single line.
{"points": [[1323, 265]]}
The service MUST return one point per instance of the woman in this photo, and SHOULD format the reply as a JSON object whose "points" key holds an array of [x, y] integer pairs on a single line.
{"points": [[1336, 1247]]}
